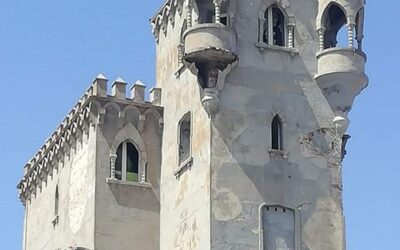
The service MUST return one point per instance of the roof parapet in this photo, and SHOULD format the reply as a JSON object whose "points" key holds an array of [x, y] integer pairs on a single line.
{"points": [[72, 127], [138, 92], [119, 89]]}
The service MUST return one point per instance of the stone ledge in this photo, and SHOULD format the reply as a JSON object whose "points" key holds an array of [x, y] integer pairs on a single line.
{"points": [[187, 164], [263, 46], [128, 183], [275, 153]]}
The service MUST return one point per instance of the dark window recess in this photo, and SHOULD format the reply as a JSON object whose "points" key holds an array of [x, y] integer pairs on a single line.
{"points": [[132, 160], [184, 138], [278, 26], [276, 133], [266, 28], [56, 202], [118, 163]]}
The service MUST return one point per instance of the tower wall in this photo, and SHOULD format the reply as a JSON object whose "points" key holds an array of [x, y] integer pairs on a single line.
{"points": [[246, 174], [185, 203], [74, 176]]}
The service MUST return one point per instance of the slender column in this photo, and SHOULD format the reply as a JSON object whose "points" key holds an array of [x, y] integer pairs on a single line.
{"points": [[321, 33], [144, 173], [350, 27], [291, 36], [113, 158], [217, 4], [189, 15]]}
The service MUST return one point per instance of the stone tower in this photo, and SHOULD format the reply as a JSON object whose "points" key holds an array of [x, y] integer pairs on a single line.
{"points": [[239, 147], [256, 96]]}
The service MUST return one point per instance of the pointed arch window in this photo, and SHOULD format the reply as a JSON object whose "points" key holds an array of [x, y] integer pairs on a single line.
{"points": [[274, 27], [334, 21], [276, 133], [127, 162]]}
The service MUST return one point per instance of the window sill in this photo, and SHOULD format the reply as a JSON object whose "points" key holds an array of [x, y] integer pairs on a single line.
{"points": [[183, 167], [128, 183], [274, 154], [263, 46]]}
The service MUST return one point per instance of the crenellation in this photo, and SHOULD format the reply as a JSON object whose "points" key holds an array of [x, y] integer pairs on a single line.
{"points": [[155, 96], [119, 89], [138, 92]]}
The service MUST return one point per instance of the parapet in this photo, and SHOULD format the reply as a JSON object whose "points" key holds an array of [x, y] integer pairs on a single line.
{"points": [[77, 124]]}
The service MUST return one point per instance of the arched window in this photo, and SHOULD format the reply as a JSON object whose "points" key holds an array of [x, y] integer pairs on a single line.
{"points": [[278, 228], [334, 22], [276, 133], [274, 30], [127, 162], [56, 201], [185, 139]]}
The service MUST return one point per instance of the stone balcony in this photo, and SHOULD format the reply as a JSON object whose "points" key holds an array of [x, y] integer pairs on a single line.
{"points": [[210, 42], [341, 76]]}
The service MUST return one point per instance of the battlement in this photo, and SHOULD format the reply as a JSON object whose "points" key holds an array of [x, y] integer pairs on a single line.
{"points": [[166, 15], [88, 112]]}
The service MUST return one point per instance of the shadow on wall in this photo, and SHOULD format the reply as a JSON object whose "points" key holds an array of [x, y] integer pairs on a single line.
{"points": [[135, 196]]}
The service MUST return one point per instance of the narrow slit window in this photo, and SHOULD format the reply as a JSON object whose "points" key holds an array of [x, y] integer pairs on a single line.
{"points": [[185, 138], [276, 133], [56, 202]]}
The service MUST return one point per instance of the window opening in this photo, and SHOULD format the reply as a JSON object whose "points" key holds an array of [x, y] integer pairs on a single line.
{"points": [[276, 133], [278, 228], [274, 30], [56, 202], [127, 162], [335, 20], [184, 138], [206, 11]]}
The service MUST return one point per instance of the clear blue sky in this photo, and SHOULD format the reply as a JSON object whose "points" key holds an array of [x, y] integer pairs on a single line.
{"points": [[50, 50]]}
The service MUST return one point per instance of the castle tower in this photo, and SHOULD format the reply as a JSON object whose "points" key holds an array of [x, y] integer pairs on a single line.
{"points": [[95, 182], [240, 146], [256, 96]]}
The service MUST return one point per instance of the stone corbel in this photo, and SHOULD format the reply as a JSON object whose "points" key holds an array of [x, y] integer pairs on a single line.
{"points": [[210, 99]]}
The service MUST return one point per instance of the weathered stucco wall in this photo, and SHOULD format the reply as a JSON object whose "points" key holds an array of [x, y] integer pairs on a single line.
{"points": [[76, 184], [127, 213], [185, 203], [244, 174]]}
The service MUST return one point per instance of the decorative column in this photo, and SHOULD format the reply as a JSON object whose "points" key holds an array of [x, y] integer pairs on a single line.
{"points": [[321, 34], [113, 158], [189, 15], [217, 4], [291, 36], [350, 27], [143, 178]]}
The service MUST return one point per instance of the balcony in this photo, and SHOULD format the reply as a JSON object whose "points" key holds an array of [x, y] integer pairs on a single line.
{"points": [[210, 43], [341, 76]]}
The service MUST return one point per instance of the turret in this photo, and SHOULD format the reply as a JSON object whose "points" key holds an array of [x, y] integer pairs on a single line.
{"points": [[341, 70]]}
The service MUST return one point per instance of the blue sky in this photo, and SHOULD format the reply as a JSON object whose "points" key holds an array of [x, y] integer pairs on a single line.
{"points": [[50, 50]]}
